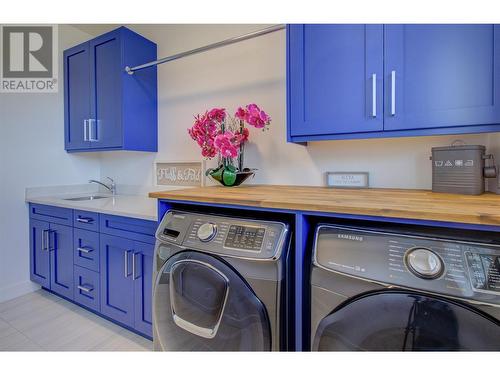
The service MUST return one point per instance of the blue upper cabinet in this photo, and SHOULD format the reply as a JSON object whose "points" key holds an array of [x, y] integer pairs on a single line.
{"points": [[364, 81], [441, 76], [105, 107], [335, 79], [77, 96]]}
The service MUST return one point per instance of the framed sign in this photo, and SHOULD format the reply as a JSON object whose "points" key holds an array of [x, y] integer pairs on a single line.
{"points": [[180, 173], [347, 179]]}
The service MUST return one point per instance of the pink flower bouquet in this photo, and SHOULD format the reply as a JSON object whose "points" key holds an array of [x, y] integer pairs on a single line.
{"points": [[220, 134]]}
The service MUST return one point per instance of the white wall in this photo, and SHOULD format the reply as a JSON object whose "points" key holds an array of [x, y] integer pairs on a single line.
{"points": [[32, 154], [254, 71]]}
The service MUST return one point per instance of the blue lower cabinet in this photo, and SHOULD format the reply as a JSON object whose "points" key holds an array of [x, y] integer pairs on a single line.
{"points": [[39, 253], [126, 278], [61, 259], [107, 273], [143, 275], [86, 249], [117, 285], [51, 256], [87, 289]]}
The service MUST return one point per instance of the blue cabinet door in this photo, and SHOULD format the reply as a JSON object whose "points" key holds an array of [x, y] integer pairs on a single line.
{"points": [[117, 285], [143, 275], [39, 253], [335, 79], [76, 97], [61, 259], [441, 76], [106, 91]]}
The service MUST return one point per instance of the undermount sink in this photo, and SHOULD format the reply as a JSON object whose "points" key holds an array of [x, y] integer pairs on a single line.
{"points": [[86, 198]]}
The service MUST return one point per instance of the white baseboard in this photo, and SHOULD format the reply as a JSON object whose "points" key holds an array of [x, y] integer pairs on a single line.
{"points": [[15, 290]]}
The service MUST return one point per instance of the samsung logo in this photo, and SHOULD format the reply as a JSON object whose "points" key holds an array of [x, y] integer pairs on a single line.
{"points": [[350, 237]]}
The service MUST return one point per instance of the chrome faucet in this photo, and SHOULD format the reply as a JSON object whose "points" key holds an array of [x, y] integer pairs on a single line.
{"points": [[111, 187]]}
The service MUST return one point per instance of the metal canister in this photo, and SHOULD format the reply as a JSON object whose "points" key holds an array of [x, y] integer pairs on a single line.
{"points": [[460, 169]]}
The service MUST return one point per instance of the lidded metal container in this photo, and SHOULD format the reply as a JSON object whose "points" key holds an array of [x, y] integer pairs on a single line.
{"points": [[460, 169]]}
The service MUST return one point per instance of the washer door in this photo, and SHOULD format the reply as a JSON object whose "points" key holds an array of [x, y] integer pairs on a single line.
{"points": [[201, 303], [399, 321]]}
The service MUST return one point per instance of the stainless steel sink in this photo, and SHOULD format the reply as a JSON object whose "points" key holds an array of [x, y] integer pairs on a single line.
{"points": [[86, 198]]}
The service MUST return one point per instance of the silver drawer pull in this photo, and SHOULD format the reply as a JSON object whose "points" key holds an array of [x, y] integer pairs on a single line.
{"points": [[85, 250], [85, 289], [84, 220]]}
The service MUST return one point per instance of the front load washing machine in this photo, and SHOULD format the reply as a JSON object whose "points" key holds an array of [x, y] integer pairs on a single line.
{"points": [[219, 283], [376, 290]]}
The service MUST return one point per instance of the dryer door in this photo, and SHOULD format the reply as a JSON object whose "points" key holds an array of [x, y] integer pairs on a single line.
{"points": [[201, 303], [400, 321]]}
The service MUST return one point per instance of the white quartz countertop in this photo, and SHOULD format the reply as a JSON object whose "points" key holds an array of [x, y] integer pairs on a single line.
{"points": [[136, 206]]}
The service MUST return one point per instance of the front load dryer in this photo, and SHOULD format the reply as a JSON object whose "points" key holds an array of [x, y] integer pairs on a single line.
{"points": [[374, 289]]}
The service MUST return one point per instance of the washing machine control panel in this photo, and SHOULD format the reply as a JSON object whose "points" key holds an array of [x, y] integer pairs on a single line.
{"points": [[245, 237], [255, 239], [456, 268]]}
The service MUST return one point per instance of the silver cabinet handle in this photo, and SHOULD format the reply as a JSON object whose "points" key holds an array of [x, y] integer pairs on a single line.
{"points": [[85, 130], [84, 250], [125, 256], [134, 277], [45, 239], [96, 123], [393, 93], [48, 238], [85, 220], [374, 95], [85, 289]]}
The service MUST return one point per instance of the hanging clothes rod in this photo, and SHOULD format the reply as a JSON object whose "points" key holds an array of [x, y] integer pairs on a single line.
{"points": [[267, 30]]}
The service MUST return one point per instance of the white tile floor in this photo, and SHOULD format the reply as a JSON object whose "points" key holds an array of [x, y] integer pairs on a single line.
{"points": [[43, 321]]}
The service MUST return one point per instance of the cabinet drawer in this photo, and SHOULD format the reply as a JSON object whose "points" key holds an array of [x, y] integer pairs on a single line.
{"points": [[135, 229], [87, 288], [52, 214], [86, 220], [86, 249]]}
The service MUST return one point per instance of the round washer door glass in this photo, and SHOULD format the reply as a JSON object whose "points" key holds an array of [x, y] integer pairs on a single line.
{"points": [[201, 303], [403, 321]]}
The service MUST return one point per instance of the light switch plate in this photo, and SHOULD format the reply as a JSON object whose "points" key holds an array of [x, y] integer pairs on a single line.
{"points": [[347, 180]]}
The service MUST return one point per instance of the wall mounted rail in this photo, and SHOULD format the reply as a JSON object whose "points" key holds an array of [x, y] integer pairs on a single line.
{"points": [[254, 34]]}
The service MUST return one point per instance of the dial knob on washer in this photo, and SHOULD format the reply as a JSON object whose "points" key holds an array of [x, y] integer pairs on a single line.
{"points": [[206, 232], [424, 263]]}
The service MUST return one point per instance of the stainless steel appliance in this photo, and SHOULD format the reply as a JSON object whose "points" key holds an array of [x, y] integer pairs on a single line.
{"points": [[219, 283], [394, 289]]}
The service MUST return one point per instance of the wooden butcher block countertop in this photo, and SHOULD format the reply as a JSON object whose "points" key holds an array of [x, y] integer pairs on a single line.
{"points": [[397, 203]]}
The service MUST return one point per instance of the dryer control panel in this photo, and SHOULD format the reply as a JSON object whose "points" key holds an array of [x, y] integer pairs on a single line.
{"points": [[244, 238], [455, 268]]}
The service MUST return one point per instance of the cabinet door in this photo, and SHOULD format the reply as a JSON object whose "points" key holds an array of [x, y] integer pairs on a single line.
{"points": [[76, 97], [61, 259], [39, 253], [441, 76], [106, 74], [117, 286], [142, 269], [335, 79]]}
